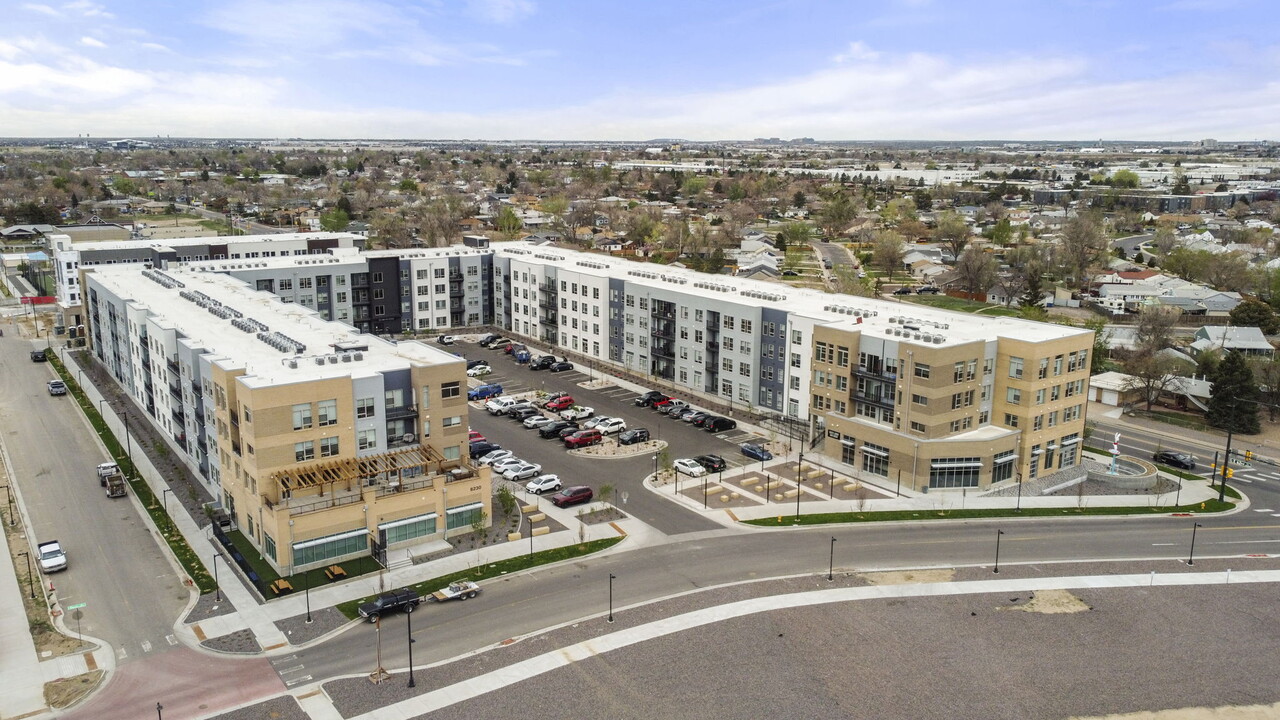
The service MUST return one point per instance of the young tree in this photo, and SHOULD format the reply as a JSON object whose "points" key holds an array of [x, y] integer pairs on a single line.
{"points": [[837, 215], [1233, 397], [1083, 243], [977, 272], [952, 232], [1266, 370], [1155, 327], [888, 251], [1151, 374], [335, 220], [794, 234], [1101, 344], [509, 224]]}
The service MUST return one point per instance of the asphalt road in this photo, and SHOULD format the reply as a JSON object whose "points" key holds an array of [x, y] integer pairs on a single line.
{"points": [[531, 601], [1131, 243], [625, 475], [115, 566]]}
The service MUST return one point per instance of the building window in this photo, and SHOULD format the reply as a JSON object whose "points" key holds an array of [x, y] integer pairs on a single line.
{"points": [[463, 516], [917, 427], [365, 408], [301, 416], [919, 399], [1013, 395], [328, 446], [330, 547], [875, 459], [304, 451], [1015, 367], [1011, 420], [328, 412], [922, 371], [366, 439], [954, 472], [411, 528], [450, 390], [453, 421]]}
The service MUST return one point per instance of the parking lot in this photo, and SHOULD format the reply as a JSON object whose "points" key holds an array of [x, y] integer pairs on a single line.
{"points": [[625, 475]]}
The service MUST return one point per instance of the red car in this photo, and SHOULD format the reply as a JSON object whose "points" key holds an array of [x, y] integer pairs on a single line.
{"points": [[583, 438], [561, 403], [663, 403], [572, 496], [474, 436]]}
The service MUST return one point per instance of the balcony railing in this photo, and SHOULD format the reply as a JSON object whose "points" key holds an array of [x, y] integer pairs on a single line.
{"points": [[875, 372], [404, 411]]}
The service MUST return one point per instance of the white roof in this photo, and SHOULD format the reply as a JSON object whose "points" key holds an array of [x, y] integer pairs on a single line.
{"points": [[175, 306], [213, 240], [869, 315]]}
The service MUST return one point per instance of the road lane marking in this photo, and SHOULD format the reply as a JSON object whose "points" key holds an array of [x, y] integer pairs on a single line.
{"points": [[121, 653], [172, 640], [1266, 510], [295, 681]]}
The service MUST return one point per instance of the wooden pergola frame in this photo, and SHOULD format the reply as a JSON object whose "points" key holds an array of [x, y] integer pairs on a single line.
{"points": [[357, 471]]}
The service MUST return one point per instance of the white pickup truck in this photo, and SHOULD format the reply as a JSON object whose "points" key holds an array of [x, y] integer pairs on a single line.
{"points": [[52, 558]]}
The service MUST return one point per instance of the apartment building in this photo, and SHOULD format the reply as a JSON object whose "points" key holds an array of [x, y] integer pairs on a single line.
{"points": [[319, 441], [70, 257]]}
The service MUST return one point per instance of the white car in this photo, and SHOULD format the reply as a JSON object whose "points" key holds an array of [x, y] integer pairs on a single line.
{"points": [[523, 471], [494, 456], [544, 483], [536, 421], [506, 464], [500, 405], [595, 421], [447, 339], [611, 426], [690, 467], [479, 371], [578, 412]]}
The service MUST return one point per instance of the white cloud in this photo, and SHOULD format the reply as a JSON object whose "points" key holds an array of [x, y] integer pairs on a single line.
{"points": [[88, 9], [154, 46], [501, 11], [92, 42], [857, 51], [42, 9]]}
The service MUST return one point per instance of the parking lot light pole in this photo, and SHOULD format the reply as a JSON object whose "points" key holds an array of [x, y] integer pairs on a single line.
{"points": [[1191, 558], [13, 517], [612, 577], [164, 495], [159, 714], [799, 469], [306, 579], [31, 584], [409, 626], [996, 570], [831, 561], [216, 586], [655, 467]]}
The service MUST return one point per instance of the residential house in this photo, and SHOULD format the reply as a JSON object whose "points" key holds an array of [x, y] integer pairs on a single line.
{"points": [[1248, 340]]}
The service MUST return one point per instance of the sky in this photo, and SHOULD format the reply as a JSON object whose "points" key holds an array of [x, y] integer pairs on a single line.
{"points": [[639, 70]]}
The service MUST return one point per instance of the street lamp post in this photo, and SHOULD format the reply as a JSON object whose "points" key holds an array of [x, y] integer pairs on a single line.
{"points": [[31, 583], [216, 586], [164, 495], [13, 517], [306, 580], [1018, 507], [799, 469], [1191, 558], [159, 714], [831, 561], [612, 577], [655, 467], [409, 626], [997, 566]]}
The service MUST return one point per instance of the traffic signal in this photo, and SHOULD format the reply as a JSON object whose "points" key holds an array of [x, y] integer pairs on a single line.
{"points": [[1248, 454], [1230, 473]]}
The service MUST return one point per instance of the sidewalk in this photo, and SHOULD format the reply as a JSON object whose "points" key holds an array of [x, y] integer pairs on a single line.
{"points": [[1179, 435]]}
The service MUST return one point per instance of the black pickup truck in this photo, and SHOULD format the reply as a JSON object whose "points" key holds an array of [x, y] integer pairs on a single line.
{"points": [[404, 599]]}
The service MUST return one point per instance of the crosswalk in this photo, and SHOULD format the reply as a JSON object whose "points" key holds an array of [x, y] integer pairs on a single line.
{"points": [[290, 669]]}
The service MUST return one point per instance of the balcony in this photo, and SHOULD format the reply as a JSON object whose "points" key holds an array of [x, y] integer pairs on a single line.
{"points": [[874, 398], [175, 391], [178, 414], [172, 364], [404, 411], [664, 350], [550, 320], [456, 291], [875, 372], [548, 288], [548, 303]]}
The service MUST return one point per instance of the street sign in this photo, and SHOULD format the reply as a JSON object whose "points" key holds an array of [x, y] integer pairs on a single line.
{"points": [[77, 606]]}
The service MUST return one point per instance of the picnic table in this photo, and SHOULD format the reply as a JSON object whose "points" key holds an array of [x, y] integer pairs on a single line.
{"points": [[281, 587], [334, 572]]}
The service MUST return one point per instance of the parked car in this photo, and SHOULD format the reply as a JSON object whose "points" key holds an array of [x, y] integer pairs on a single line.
{"points": [[583, 438], [544, 483], [483, 392], [694, 416], [719, 424], [1184, 461], [474, 436], [685, 414], [38, 356], [506, 464], [542, 362], [479, 371], [551, 397], [501, 344], [523, 471], [480, 449], [536, 421], [649, 398], [519, 406], [690, 467], [904, 290], [703, 419], [57, 387], [713, 463], [552, 429], [927, 290], [473, 363], [577, 412], [560, 366], [756, 452], [572, 496], [666, 403], [594, 422], [674, 408], [523, 413], [573, 428], [406, 599], [611, 426], [500, 406], [633, 436], [561, 403], [446, 339], [489, 339], [495, 455]]}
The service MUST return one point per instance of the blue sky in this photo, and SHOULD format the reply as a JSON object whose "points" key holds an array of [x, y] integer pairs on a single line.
{"points": [[702, 70]]}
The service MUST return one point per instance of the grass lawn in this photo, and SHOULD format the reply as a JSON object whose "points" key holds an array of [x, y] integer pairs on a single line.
{"points": [[496, 569], [946, 302], [1210, 506], [1183, 420], [314, 577]]}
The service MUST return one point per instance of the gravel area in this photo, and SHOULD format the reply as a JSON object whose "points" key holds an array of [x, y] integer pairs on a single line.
{"points": [[323, 621], [1038, 486], [208, 606], [283, 707], [240, 641], [930, 648]]}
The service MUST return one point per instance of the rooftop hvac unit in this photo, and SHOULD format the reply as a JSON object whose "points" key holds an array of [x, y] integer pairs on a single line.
{"points": [[937, 339], [346, 357], [293, 364], [333, 359], [893, 320], [916, 336], [357, 356], [320, 360]]}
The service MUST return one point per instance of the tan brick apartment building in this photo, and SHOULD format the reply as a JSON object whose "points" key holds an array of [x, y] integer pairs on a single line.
{"points": [[320, 442]]}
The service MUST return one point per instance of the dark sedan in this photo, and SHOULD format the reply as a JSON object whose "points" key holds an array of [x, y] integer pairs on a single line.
{"points": [[560, 367], [756, 452], [1184, 461], [713, 463], [552, 429]]}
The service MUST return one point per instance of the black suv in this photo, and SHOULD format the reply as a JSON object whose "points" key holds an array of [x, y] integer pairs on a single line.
{"points": [[719, 424], [1185, 461], [633, 436], [542, 362], [487, 340], [405, 599], [649, 398], [483, 447], [38, 356], [552, 429], [713, 463]]}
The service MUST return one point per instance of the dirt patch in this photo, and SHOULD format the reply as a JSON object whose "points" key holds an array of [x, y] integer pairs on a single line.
{"points": [[909, 577], [1244, 712], [1053, 602], [66, 692], [610, 449]]}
